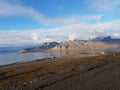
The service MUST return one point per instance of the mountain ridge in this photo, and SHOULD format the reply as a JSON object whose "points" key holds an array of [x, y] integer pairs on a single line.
{"points": [[107, 39], [97, 44]]}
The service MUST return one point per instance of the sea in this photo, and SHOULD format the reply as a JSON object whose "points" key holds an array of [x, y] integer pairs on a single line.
{"points": [[12, 56]]}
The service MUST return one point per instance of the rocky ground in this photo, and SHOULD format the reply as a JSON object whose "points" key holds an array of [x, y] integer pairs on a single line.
{"points": [[92, 72]]}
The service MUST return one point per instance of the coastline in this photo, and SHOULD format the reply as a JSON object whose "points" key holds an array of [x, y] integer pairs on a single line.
{"points": [[53, 71]]}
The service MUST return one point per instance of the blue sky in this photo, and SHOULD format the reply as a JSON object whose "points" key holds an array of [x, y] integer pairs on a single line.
{"points": [[33, 22]]}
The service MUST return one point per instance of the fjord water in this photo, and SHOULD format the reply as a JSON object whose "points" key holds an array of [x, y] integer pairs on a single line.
{"points": [[13, 57], [9, 57]]}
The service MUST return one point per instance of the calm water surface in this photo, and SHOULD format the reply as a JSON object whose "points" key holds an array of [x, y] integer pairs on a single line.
{"points": [[12, 57]]}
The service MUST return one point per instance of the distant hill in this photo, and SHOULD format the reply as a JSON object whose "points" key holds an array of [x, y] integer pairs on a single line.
{"points": [[76, 45], [9, 49], [79, 45], [107, 39], [44, 47]]}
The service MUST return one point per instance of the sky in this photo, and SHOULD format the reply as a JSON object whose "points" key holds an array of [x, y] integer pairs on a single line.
{"points": [[31, 22]]}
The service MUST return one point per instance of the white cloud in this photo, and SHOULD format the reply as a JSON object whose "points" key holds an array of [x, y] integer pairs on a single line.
{"points": [[103, 5], [95, 17], [16, 10], [70, 32], [73, 36], [72, 28], [116, 35], [8, 9]]}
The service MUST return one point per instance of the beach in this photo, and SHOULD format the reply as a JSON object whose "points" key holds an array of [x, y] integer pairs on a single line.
{"points": [[74, 72]]}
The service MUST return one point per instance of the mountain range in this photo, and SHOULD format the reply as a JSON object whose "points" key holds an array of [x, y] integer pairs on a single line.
{"points": [[96, 44], [108, 39]]}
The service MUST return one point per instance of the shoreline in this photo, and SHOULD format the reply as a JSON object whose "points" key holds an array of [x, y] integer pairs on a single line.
{"points": [[23, 63], [56, 56], [52, 57], [55, 71]]}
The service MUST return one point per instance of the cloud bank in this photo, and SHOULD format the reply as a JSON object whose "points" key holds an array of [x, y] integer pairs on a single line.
{"points": [[70, 32], [103, 5], [71, 27]]}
